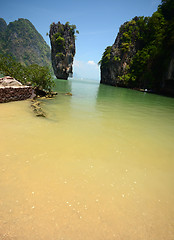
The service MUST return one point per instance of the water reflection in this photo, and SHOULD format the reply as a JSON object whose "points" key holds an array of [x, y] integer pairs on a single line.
{"points": [[63, 86], [81, 104]]}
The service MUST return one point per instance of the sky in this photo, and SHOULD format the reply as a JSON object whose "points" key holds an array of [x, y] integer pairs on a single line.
{"points": [[98, 22]]}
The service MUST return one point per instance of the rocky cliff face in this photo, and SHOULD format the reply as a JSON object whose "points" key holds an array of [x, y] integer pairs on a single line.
{"points": [[142, 56], [170, 72], [3, 25], [62, 39], [21, 40], [168, 78], [116, 59]]}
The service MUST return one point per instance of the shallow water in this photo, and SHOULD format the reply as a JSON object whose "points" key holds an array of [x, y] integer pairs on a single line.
{"points": [[99, 167]]}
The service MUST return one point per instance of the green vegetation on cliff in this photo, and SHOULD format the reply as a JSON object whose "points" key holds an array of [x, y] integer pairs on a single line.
{"points": [[62, 37], [142, 52], [21, 40]]}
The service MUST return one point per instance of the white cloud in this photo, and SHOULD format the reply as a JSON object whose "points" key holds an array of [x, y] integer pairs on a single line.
{"points": [[88, 69], [91, 63]]}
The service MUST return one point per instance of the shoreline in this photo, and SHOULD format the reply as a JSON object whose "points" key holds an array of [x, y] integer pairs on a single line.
{"points": [[160, 93]]}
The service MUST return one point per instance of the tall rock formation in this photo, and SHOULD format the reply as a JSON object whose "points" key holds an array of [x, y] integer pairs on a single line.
{"points": [[116, 59], [142, 55], [62, 37]]}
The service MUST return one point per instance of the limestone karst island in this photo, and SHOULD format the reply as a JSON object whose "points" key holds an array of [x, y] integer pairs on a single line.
{"points": [[62, 38], [87, 120]]}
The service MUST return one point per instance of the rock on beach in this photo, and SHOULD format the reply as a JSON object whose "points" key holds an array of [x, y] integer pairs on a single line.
{"points": [[12, 90]]}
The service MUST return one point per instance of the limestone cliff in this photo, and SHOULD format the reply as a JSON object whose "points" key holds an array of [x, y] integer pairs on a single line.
{"points": [[117, 58], [62, 37], [3, 25], [21, 40], [168, 77], [142, 56]]}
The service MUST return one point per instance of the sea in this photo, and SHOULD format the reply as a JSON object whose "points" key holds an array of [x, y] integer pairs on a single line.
{"points": [[100, 166]]}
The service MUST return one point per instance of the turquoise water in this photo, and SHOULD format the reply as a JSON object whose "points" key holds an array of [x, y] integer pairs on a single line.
{"points": [[100, 166]]}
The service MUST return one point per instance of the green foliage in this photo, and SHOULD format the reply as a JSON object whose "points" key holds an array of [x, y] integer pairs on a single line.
{"points": [[117, 59], [56, 35], [60, 55], [106, 56], [60, 40], [125, 46], [152, 36], [153, 40], [60, 29], [71, 46], [167, 8], [126, 37], [39, 76], [125, 78], [130, 33], [132, 22], [73, 26]]}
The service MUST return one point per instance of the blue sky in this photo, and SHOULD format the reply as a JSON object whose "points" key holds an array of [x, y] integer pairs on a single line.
{"points": [[97, 21]]}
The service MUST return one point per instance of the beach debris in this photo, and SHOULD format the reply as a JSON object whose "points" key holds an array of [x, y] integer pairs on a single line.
{"points": [[43, 93], [37, 108], [68, 94]]}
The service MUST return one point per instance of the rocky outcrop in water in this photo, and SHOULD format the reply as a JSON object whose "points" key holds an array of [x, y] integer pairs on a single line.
{"points": [[142, 56], [62, 37], [116, 58]]}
